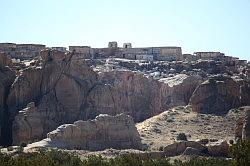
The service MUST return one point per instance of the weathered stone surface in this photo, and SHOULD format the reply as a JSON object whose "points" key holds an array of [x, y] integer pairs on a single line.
{"points": [[58, 87], [219, 94], [219, 148], [192, 152], [242, 128], [246, 124], [27, 125], [178, 148], [7, 77], [101, 133], [138, 95], [5, 60]]}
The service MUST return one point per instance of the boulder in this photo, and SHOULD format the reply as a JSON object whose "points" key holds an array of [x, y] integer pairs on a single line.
{"points": [[192, 152], [103, 132], [178, 148], [217, 95], [219, 148], [27, 125]]}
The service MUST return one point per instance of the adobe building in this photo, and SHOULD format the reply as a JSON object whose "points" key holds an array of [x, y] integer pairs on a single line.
{"points": [[21, 51]]}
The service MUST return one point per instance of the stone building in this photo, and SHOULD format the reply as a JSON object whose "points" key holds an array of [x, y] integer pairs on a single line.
{"points": [[209, 55], [127, 45], [112, 44], [146, 57], [82, 51], [62, 49], [21, 51]]}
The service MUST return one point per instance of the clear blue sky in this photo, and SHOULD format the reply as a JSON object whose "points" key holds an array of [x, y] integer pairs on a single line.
{"points": [[195, 25]]}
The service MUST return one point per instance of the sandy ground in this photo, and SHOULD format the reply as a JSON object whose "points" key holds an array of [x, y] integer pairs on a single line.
{"points": [[162, 129]]}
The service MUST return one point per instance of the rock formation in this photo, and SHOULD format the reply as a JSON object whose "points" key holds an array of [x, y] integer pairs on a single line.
{"points": [[178, 148], [218, 148], [103, 132], [7, 76], [140, 96], [218, 95], [242, 129]]}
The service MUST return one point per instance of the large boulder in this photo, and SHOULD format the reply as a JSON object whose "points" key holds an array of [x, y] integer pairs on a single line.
{"points": [[218, 95], [103, 132], [178, 148], [27, 125], [218, 148]]}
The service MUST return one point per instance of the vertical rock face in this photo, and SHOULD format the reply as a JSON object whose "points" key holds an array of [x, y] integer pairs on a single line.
{"points": [[246, 124], [65, 89], [242, 128], [27, 125], [101, 133], [216, 95], [58, 86], [7, 76], [138, 95]]}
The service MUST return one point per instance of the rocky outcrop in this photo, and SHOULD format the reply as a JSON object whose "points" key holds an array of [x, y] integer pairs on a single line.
{"points": [[65, 89], [140, 96], [58, 85], [103, 132], [219, 148], [242, 129], [7, 77], [218, 95], [178, 148], [27, 125]]}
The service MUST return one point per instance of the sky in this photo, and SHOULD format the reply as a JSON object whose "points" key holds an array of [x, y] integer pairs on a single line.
{"points": [[194, 25]]}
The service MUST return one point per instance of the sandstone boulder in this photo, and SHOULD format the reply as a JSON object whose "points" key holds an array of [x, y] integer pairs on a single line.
{"points": [[101, 133], [218, 95], [178, 148], [192, 152], [219, 148], [27, 125]]}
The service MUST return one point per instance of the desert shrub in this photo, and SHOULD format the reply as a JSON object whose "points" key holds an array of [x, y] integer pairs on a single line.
{"points": [[240, 152], [161, 148], [23, 144], [231, 141], [10, 148], [181, 136]]}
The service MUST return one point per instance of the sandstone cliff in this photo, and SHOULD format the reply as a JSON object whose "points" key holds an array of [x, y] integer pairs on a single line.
{"points": [[7, 76], [218, 95]]}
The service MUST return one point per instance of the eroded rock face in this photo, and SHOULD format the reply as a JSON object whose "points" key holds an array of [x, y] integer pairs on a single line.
{"points": [[65, 89], [27, 125], [242, 128], [216, 95], [138, 95], [219, 148], [58, 86], [178, 148], [103, 132], [7, 76]]}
